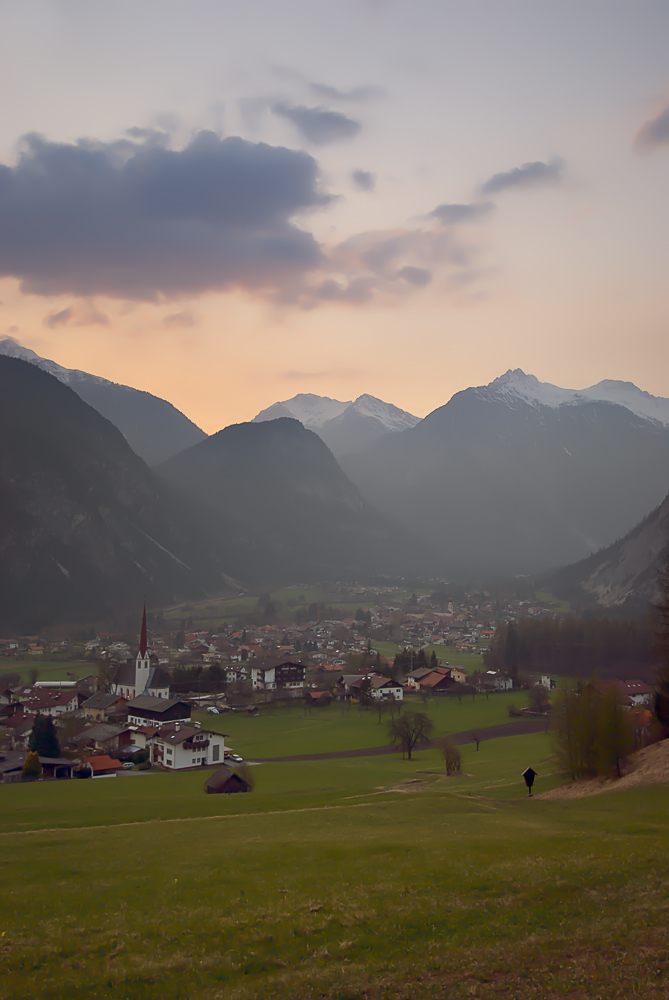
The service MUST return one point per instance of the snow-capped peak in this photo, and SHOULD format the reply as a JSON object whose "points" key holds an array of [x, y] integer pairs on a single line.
{"points": [[311, 410], [392, 418], [516, 384], [12, 349]]}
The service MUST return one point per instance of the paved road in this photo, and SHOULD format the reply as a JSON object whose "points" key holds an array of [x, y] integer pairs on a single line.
{"points": [[487, 733]]}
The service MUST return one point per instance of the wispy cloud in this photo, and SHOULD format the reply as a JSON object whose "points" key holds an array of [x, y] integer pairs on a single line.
{"points": [[84, 313], [451, 215], [654, 132], [318, 125], [329, 93], [184, 318], [528, 175]]}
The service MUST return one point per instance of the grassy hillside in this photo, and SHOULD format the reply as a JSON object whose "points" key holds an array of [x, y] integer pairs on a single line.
{"points": [[363, 878]]}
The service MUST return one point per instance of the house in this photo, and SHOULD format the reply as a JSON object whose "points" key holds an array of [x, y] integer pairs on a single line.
{"points": [[159, 712], [546, 681], [436, 681], [636, 692], [12, 761], [286, 674], [225, 779], [141, 677], [494, 679], [322, 698], [100, 705], [177, 747], [107, 737], [459, 674], [53, 703], [103, 765], [386, 689]]}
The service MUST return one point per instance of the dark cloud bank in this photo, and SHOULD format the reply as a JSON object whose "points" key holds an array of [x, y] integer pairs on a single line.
{"points": [[136, 220]]}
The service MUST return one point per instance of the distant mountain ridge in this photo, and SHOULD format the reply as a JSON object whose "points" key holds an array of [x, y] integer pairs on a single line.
{"points": [[344, 426], [625, 573], [154, 428], [281, 483], [87, 529], [516, 384], [519, 475]]}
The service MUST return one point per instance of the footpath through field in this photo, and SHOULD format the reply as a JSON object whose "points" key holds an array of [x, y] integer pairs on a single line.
{"points": [[469, 736]]}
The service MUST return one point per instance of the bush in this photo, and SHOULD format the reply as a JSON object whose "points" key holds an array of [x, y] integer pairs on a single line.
{"points": [[144, 766], [140, 756], [513, 711]]}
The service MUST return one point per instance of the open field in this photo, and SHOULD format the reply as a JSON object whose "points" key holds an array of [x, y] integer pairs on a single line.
{"points": [[284, 732], [445, 654], [367, 878], [48, 670]]}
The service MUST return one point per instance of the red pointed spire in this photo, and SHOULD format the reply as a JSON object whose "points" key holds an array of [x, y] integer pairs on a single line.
{"points": [[143, 644]]}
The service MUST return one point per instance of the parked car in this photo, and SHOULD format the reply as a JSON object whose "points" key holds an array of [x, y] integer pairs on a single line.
{"points": [[214, 711], [234, 758], [128, 765]]}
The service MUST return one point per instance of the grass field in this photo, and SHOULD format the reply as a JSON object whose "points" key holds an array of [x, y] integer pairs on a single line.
{"points": [[48, 670], [355, 879], [470, 661], [282, 732]]}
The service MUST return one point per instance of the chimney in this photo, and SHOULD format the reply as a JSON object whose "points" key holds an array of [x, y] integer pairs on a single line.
{"points": [[177, 727]]}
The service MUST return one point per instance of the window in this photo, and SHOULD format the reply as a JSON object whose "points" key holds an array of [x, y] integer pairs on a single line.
{"points": [[194, 760]]}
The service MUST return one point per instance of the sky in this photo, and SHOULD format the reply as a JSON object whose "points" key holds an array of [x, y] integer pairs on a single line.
{"points": [[226, 204]]}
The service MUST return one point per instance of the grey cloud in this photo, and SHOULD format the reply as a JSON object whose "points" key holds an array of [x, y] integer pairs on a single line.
{"points": [[526, 176], [654, 132], [136, 220], [354, 94], [450, 215], [364, 179], [418, 276], [82, 314], [58, 319], [183, 318], [318, 125]]}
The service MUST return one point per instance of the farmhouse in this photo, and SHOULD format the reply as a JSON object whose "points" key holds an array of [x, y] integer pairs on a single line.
{"points": [[12, 761], [158, 712], [101, 704], [177, 747], [286, 674]]}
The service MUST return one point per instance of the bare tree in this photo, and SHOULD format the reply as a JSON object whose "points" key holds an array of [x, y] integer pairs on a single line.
{"points": [[410, 729], [450, 751]]}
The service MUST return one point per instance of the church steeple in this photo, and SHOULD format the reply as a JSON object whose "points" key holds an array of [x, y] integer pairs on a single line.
{"points": [[142, 661]]}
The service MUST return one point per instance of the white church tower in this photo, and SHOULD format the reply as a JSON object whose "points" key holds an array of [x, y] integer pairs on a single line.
{"points": [[142, 663]]}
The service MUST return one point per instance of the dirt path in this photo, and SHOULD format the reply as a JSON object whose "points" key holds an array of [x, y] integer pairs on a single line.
{"points": [[487, 733]]}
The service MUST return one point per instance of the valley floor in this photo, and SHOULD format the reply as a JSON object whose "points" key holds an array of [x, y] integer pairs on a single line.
{"points": [[360, 878]]}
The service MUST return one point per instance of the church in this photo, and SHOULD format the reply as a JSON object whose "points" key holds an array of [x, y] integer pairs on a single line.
{"points": [[141, 677]]}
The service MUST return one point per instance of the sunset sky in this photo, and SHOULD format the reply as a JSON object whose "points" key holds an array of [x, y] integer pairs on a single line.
{"points": [[229, 203]]}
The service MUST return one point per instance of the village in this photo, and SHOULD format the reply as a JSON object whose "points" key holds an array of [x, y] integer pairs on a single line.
{"points": [[134, 709]]}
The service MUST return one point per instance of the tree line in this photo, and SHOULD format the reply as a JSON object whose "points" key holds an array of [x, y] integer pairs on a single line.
{"points": [[609, 648]]}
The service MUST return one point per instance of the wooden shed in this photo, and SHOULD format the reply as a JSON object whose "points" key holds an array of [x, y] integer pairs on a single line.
{"points": [[226, 779]]}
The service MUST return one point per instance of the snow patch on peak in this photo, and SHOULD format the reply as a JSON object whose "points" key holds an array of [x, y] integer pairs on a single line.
{"points": [[12, 349], [392, 417], [311, 410], [516, 384]]}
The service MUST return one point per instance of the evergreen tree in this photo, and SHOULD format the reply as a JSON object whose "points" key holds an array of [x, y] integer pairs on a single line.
{"points": [[434, 662], [43, 739], [661, 652]]}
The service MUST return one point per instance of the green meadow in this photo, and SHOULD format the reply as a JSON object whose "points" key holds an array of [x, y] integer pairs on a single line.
{"points": [[286, 732], [353, 879], [47, 670]]}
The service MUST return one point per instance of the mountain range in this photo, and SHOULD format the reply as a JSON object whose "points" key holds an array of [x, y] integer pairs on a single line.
{"points": [[519, 475], [344, 426], [283, 485], [154, 429], [87, 529]]}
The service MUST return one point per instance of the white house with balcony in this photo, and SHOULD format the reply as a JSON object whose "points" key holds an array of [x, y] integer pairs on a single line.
{"points": [[179, 747]]}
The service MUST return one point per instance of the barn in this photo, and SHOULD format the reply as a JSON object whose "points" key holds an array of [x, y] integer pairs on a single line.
{"points": [[226, 779]]}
